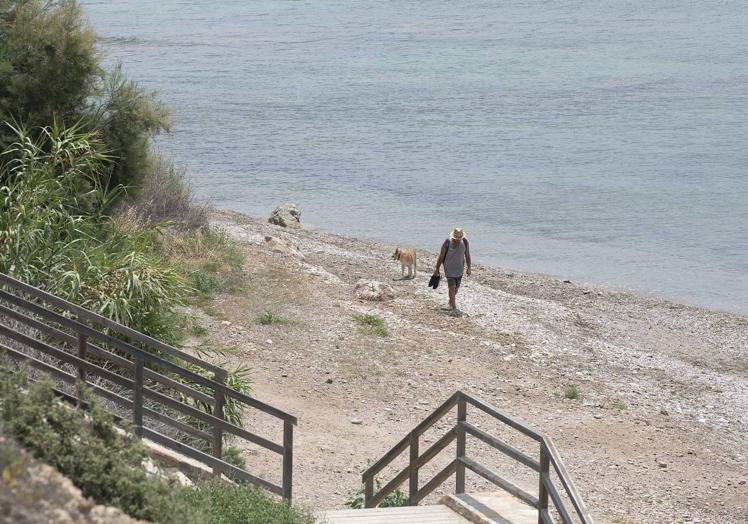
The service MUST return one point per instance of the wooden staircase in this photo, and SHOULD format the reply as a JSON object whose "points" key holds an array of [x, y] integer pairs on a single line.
{"points": [[556, 500], [166, 396]]}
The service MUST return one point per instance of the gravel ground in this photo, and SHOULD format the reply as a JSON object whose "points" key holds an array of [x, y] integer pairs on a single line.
{"points": [[658, 433]]}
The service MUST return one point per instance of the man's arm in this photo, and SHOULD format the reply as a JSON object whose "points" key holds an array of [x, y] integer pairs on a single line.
{"points": [[440, 258], [467, 255]]}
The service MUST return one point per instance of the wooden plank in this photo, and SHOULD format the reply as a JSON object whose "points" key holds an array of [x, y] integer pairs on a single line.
{"points": [[387, 458], [137, 403], [18, 356], [436, 447], [542, 491], [438, 479], [217, 442], [389, 488], [544, 517], [65, 357], [413, 475], [119, 328], [158, 361], [505, 448], [122, 401], [571, 490], [107, 355], [207, 417], [489, 410], [556, 498], [287, 459], [418, 430], [500, 482], [228, 469], [461, 417]]}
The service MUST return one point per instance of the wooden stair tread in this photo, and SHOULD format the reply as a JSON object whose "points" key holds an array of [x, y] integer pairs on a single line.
{"points": [[436, 514]]}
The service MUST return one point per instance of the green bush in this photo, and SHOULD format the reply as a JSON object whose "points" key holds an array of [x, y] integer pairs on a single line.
{"points": [[371, 325], [107, 464], [571, 392], [48, 61], [268, 318], [394, 500], [50, 70], [239, 504], [85, 446], [56, 236]]}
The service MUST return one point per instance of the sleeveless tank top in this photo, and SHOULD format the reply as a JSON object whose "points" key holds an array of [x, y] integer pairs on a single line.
{"points": [[454, 262]]}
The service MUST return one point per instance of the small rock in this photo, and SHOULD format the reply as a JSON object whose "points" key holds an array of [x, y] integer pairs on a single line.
{"points": [[225, 323], [286, 215], [356, 421], [567, 281], [741, 481], [268, 342], [284, 247], [328, 381], [664, 412], [284, 374], [597, 416], [373, 290]]}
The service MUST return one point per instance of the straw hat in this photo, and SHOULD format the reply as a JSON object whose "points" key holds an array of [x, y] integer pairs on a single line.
{"points": [[457, 234]]}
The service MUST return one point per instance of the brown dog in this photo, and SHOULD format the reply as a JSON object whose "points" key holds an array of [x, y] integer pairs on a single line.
{"points": [[407, 258]]}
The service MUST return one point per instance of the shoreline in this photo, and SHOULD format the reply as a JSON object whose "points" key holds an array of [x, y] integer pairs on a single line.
{"points": [[633, 294]]}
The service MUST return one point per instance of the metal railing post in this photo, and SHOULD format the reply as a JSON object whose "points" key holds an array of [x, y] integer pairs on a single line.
{"points": [[542, 491], [413, 475], [460, 473], [137, 405], [287, 459], [218, 404]]}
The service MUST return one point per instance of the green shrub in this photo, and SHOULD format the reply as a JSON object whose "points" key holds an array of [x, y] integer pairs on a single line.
{"points": [[107, 464], [394, 500], [205, 284], [240, 504], [571, 392], [49, 64], [85, 446], [56, 236], [50, 70], [371, 325], [268, 318]]}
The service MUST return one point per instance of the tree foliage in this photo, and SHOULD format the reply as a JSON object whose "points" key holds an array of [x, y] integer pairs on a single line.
{"points": [[50, 71]]}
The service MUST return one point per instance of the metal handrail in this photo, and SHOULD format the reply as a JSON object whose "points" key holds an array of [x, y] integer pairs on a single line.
{"points": [[132, 360], [548, 456]]}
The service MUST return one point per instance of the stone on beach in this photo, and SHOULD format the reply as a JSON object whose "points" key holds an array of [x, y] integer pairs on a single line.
{"points": [[284, 247], [373, 290], [286, 215]]}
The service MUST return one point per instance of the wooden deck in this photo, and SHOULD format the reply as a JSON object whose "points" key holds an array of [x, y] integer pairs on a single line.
{"points": [[437, 514]]}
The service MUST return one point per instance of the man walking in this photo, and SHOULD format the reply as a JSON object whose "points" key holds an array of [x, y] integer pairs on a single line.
{"points": [[455, 254]]}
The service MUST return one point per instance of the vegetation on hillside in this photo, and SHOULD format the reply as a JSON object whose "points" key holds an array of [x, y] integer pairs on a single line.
{"points": [[89, 213], [106, 464]]}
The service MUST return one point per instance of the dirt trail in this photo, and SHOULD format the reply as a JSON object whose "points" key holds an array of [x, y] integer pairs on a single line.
{"points": [[659, 433]]}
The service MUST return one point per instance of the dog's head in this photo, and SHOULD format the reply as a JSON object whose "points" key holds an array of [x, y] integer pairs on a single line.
{"points": [[396, 254]]}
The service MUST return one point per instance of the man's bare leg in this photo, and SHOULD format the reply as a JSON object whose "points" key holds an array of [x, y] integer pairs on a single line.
{"points": [[452, 297]]}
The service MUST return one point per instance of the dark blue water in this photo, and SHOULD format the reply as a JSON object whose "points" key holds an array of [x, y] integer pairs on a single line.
{"points": [[602, 141]]}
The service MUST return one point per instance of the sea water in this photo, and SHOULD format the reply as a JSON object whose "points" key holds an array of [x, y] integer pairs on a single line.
{"points": [[603, 141]]}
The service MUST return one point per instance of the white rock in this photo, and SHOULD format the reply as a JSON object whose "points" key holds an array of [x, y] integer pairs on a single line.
{"points": [[373, 290], [286, 215]]}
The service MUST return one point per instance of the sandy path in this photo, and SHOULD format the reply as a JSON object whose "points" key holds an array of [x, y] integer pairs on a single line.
{"points": [[660, 431]]}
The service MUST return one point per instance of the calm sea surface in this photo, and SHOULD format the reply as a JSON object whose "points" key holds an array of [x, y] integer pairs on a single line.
{"points": [[604, 141]]}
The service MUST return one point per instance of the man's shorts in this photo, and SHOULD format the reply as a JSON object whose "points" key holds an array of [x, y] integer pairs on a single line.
{"points": [[454, 282]]}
